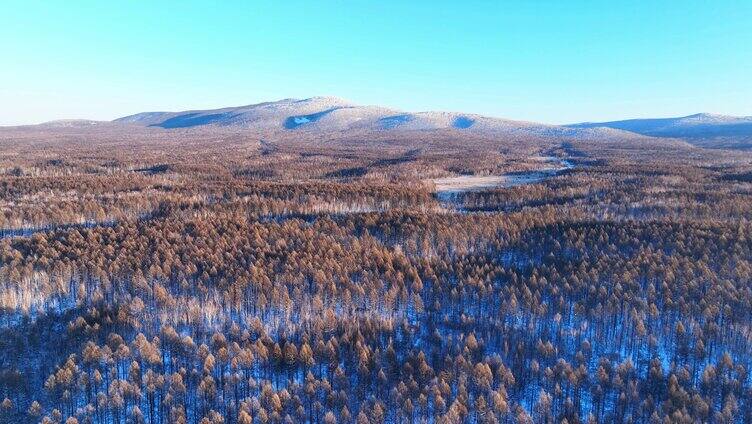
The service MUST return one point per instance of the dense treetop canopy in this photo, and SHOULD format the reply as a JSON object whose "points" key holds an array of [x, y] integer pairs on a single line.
{"points": [[217, 277]]}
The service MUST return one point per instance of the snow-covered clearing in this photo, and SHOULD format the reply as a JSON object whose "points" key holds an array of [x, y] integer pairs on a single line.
{"points": [[448, 186]]}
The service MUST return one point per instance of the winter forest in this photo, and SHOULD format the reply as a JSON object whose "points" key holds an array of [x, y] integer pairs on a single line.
{"points": [[210, 276]]}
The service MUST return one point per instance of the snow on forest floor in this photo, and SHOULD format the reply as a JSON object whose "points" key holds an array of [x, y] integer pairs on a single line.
{"points": [[447, 187], [30, 231]]}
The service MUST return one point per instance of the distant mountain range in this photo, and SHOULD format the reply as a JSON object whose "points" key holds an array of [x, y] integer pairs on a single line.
{"points": [[703, 129], [327, 115], [332, 114]]}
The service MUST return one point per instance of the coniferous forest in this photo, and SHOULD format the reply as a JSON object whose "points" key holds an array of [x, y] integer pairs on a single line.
{"points": [[211, 276]]}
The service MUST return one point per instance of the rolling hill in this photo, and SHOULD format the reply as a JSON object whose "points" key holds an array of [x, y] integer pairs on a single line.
{"points": [[702, 129], [332, 114]]}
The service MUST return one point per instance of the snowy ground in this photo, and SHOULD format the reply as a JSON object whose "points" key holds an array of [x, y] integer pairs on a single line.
{"points": [[448, 186]]}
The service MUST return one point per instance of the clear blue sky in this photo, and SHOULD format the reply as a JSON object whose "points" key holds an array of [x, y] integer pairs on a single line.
{"points": [[549, 61]]}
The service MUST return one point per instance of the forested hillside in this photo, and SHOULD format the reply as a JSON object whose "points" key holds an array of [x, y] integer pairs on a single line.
{"points": [[217, 276]]}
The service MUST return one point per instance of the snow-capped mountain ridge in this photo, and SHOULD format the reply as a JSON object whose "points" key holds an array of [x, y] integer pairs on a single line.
{"points": [[327, 114], [697, 125], [701, 129]]}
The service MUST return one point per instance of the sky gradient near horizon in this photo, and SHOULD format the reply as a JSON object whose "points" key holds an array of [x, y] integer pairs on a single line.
{"points": [[546, 61]]}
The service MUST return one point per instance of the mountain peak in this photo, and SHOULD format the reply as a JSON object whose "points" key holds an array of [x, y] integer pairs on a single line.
{"points": [[715, 118], [706, 115], [330, 114], [326, 99]]}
